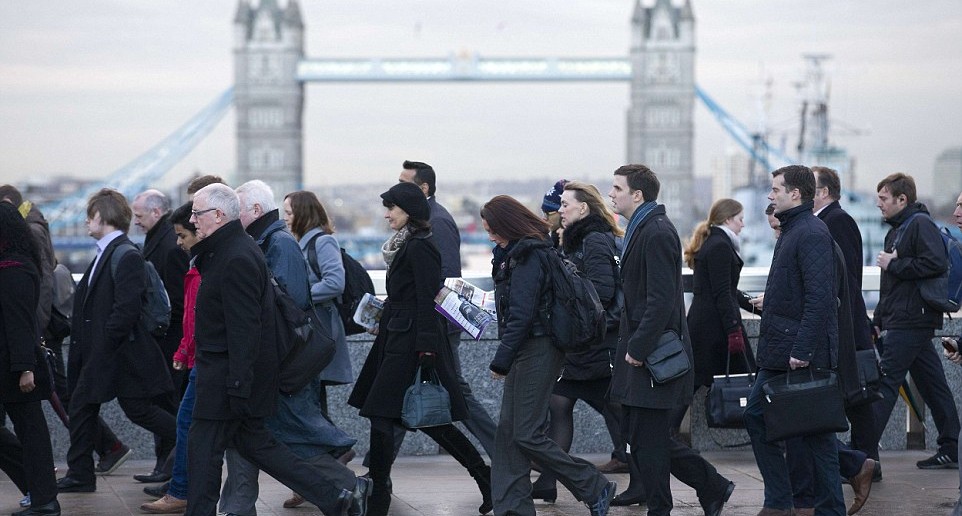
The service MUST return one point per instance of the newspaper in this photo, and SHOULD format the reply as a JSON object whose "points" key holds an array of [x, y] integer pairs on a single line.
{"points": [[480, 298], [469, 316], [368, 311]]}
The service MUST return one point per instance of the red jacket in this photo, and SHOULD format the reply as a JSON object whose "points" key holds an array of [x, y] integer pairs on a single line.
{"points": [[185, 352]]}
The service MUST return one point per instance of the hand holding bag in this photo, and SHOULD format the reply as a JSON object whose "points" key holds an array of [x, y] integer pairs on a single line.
{"points": [[426, 403], [669, 360], [728, 397], [803, 402]]}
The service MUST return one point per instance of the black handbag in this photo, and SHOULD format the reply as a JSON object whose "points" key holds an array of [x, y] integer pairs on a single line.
{"points": [[869, 379], [669, 360], [728, 397], [426, 403], [803, 402]]}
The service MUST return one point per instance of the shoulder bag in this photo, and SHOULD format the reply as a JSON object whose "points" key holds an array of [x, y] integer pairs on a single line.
{"points": [[668, 361]]}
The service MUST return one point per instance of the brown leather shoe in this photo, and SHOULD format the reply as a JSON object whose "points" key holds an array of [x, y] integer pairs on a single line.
{"points": [[166, 505], [768, 511], [295, 500], [614, 466], [862, 485]]}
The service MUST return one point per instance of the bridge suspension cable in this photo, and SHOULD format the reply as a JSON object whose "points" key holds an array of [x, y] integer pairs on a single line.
{"points": [[146, 169]]}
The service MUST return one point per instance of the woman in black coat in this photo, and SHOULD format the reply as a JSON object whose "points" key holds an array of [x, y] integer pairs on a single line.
{"points": [[410, 335], [589, 242], [714, 321], [529, 364], [24, 381]]}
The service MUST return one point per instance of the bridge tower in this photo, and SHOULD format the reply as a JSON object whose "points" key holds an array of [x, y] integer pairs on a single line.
{"points": [[661, 117], [268, 98]]}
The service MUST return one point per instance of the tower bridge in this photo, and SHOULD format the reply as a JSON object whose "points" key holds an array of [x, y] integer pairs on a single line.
{"points": [[270, 71]]}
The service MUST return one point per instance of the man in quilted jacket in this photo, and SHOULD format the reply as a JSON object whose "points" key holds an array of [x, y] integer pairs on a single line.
{"points": [[799, 329]]}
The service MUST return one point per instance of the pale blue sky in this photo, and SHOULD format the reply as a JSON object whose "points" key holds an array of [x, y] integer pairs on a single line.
{"points": [[87, 86]]}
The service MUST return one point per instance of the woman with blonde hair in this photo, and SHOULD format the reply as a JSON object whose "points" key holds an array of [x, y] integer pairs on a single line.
{"points": [[717, 335], [590, 229]]}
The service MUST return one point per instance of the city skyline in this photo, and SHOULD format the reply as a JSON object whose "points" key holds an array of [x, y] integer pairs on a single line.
{"points": [[85, 89]]}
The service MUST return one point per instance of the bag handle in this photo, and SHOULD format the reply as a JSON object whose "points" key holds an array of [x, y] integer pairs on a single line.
{"points": [[748, 367]]}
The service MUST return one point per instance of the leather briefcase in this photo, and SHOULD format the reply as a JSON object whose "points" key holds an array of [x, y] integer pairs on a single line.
{"points": [[727, 397], [803, 402]]}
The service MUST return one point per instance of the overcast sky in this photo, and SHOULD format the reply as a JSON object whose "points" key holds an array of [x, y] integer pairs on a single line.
{"points": [[87, 86]]}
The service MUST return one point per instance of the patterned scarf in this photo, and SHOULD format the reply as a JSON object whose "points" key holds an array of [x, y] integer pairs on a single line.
{"points": [[394, 243]]}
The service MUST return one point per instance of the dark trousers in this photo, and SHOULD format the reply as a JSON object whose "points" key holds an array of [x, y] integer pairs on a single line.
{"points": [[774, 464], [655, 455], [521, 435], [11, 459], [912, 351], [865, 431], [206, 443], [85, 430], [37, 454]]}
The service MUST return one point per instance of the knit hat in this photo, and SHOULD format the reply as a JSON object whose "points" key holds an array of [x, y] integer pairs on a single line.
{"points": [[410, 198], [552, 199]]}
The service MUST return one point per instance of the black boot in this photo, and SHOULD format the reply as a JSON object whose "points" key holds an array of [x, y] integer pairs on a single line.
{"points": [[459, 447], [382, 458]]}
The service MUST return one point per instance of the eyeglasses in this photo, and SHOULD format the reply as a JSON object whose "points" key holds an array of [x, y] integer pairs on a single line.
{"points": [[197, 213]]}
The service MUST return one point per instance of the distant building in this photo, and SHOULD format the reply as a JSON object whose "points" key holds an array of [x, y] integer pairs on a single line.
{"points": [[660, 119], [947, 175], [268, 98], [730, 173]]}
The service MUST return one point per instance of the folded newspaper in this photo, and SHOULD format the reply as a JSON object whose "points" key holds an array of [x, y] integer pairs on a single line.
{"points": [[477, 297], [368, 311], [467, 315]]}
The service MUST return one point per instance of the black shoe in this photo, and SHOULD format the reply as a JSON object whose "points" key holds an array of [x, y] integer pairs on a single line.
{"points": [[47, 509], [154, 477], [390, 486], [714, 508], [548, 494], [157, 491], [362, 491], [112, 460], [625, 499], [72, 485], [938, 461], [877, 474]]}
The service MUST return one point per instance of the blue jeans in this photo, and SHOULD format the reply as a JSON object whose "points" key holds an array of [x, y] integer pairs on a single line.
{"points": [[820, 449], [178, 478]]}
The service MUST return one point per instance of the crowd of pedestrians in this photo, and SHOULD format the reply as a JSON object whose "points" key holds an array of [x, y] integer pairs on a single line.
{"points": [[207, 385]]}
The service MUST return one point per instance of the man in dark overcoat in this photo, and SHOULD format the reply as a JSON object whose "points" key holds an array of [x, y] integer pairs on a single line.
{"points": [[654, 304], [151, 210], [236, 364], [112, 355]]}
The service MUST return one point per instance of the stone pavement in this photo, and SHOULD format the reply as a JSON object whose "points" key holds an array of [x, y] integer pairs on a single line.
{"points": [[435, 485]]}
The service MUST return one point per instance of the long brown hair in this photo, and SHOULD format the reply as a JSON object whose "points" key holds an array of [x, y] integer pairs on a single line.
{"points": [[308, 213], [511, 220], [721, 210], [589, 194]]}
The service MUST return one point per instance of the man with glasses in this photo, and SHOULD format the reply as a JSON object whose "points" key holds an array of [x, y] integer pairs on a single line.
{"points": [[236, 367]]}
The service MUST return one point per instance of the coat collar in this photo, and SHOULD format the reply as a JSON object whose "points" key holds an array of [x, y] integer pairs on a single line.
{"points": [[659, 210], [207, 247], [790, 216], [157, 234]]}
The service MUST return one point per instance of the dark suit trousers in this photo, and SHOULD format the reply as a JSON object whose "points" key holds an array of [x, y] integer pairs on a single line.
{"points": [[655, 455], [37, 459], [11, 459], [85, 429], [206, 443]]}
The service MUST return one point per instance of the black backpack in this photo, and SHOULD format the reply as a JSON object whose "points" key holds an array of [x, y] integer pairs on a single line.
{"points": [[944, 292], [357, 282], [155, 310], [573, 314]]}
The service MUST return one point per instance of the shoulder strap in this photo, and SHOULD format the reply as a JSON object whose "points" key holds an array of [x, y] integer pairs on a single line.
{"points": [[119, 252], [312, 254], [267, 239], [905, 226]]}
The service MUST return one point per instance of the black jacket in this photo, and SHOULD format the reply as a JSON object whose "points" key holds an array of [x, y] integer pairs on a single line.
{"points": [[714, 311], [171, 262], [845, 232], [654, 303], [111, 354], [236, 355], [19, 339], [800, 319], [518, 294], [447, 238], [409, 325], [590, 245], [921, 254]]}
